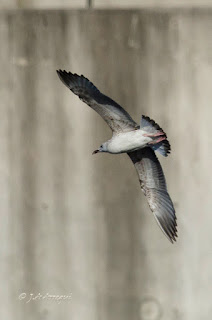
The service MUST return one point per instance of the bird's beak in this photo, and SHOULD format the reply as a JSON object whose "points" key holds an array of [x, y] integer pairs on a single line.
{"points": [[95, 151]]}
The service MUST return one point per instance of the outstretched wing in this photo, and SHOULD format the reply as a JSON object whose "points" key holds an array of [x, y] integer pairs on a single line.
{"points": [[153, 184], [115, 116]]}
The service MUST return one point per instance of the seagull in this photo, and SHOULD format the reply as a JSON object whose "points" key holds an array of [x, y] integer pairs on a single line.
{"points": [[140, 142]]}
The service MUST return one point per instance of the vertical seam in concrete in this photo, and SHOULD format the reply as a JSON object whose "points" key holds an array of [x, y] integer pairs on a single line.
{"points": [[90, 5]]}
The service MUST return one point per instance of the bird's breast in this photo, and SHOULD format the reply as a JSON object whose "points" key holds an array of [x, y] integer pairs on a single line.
{"points": [[128, 141]]}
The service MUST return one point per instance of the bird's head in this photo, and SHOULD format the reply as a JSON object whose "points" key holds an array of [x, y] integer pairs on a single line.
{"points": [[102, 148]]}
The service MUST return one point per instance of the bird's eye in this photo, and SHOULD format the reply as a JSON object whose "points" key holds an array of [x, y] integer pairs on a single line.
{"points": [[101, 146]]}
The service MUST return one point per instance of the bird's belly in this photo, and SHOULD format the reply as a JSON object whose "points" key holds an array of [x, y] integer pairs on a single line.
{"points": [[129, 141]]}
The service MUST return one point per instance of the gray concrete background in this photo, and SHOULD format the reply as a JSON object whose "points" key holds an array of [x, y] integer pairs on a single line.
{"points": [[65, 4], [151, 3], [43, 4], [73, 223]]}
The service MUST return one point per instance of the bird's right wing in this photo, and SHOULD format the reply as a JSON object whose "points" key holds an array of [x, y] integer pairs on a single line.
{"points": [[153, 185], [115, 116]]}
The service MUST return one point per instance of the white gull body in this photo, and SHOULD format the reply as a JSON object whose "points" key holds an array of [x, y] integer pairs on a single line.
{"points": [[128, 141]]}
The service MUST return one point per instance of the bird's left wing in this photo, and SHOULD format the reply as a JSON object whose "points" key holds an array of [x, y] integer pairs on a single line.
{"points": [[115, 116], [153, 185]]}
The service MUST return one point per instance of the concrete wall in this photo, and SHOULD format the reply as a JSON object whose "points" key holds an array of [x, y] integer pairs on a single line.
{"points": [[151, 3], [43, 4], [73, 223], [65, 4]]}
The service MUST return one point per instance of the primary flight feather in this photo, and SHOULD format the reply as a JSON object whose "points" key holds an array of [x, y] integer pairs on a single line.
{"points": [[139, 142]]}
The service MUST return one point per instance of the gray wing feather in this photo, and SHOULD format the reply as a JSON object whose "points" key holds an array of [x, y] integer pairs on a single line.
{"points": [[153, 184], [115, 116]]}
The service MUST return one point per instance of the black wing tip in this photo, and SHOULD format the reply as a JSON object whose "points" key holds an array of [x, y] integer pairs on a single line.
{"points": [[59, 73], [168, 226], [173, 239], [74, 81], [68, 75], [172, 235], [70, 80], [64, 73], [65, 77]]}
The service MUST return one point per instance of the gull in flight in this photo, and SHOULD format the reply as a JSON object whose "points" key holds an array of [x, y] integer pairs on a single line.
{"points": [[139, 142]]}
